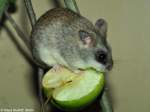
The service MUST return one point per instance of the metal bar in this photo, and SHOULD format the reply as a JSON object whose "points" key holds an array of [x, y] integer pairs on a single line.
{"points": [[32, 18], [30, 12], [105, 103], [21, 34], [72, 5]]}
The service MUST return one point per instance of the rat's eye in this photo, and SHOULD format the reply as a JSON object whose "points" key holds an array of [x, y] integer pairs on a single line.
{"points": [[101, 57]]}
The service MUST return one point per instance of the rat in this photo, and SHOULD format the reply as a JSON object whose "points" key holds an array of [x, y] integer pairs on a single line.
{"points": [[62, 37]]}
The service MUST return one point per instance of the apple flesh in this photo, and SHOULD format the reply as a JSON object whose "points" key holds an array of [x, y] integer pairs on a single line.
{"points": [[70, 91]]}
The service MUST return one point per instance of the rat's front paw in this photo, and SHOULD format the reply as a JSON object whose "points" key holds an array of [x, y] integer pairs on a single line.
{"points": [[56, 68], [78, 72]]}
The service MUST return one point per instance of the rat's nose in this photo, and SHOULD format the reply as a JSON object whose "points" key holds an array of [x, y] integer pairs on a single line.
{"points": [[109, 65]]}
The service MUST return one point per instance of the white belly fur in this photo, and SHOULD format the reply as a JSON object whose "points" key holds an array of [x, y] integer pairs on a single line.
{"points": [[51, 57]]}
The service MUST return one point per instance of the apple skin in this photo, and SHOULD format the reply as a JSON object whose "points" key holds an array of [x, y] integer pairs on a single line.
{"points": [[78, 104]]}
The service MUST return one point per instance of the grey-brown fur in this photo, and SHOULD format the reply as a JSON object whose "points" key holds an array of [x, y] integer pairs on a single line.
{"points": [[56, 40]]}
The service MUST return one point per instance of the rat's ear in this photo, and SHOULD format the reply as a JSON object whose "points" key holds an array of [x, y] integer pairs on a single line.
{"points": [[86, 38], [101, 24]]}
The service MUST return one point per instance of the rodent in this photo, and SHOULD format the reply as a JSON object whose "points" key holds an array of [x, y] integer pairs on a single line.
{"points": [[64, 37]]}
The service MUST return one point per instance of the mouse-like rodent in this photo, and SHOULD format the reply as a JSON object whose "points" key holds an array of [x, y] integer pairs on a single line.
{"points": [[63, 37]]}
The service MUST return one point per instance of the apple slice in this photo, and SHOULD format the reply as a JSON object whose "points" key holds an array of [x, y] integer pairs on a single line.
{"points": [[70, 91]]}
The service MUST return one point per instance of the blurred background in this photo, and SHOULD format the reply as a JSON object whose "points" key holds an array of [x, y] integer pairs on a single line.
{"points": [[128, 34]]}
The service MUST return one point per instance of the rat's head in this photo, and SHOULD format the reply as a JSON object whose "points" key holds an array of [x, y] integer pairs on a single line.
{"points": [[95, 50]]}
